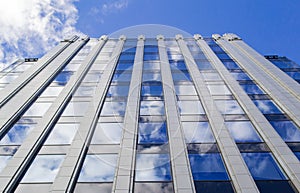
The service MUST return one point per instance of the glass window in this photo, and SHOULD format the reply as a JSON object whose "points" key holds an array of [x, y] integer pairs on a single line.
{"points": [[51, 91], [149, 48], [223, 56], [288, 131], [152, 108], [150, 56], [92, 77], [230, 64], [63, 77], [113, 108], [8, 78], [37, 109], [93, 187], [240, 76], [62, 134], [107, 133], [267, 107], [17, 134], [218, 90], [190, 107], [208, 167], [127, 56], [118, 91], [75, 109], [151, 77], [3, 161], [252, 89], [181, 76], [125, 66], [152, 132], [122, 77], [177, 65], [43, 164], [242, 131], [85, 91], [165, 187], [153, 167], [152, 90], [211, 76], [204, 65], [229, 107], [151, 65], [296, 153], [98, 168], [185, 90], [197, 132], [262, 166]]}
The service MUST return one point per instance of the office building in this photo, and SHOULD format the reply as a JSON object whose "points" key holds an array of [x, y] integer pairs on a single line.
{"points": [[156, 114]]}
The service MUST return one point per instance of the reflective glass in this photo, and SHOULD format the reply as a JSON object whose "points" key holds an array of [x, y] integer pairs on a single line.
{"points": [[127, 56], [113, 108], [204, 65], [85, 91], [62, 134], [107, 133], [63, 77], [294, 75], [152, 108], [185, 90], [92, 77], [37, 109], [197, 132], [240, 76], [251, 89], [229, 107], [287, 130], [223, 56], [211, 76], [3, 161], [152, 90], [125, 66], [181, 76], [153, 167], [93, 187], [43, 164], [208, 167], [154, 187], [75, 109], [242, 131], [98, 168], [148, 56], [297, 155], [154, 132], [151, 77], [8, 78], [118, 91], [190, 107], [175, 56], [151, 65], [230, 65], [177, 65], [17, 134], [149, 48], [124, 77], [262, 166], [218, 89], [51, 91], [267, 107]]}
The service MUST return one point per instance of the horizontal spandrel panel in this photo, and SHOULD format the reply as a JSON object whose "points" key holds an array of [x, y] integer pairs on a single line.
{"points": [[165, 187], [93, 187], [153, 148], [213, 187]]}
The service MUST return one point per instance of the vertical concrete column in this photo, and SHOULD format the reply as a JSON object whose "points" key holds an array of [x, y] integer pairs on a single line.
{"points": [[285, 81], [10, 176], [182, 175], [69, 171], [23, 99], [287, 101], [124, 176], [280, 150], [237, 169], [14, 87]]}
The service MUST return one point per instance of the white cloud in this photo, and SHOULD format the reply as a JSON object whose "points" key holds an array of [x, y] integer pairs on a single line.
{"points": [[113, 6], [31, 27]]}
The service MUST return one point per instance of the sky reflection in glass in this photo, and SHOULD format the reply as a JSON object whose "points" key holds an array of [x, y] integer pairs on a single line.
{"points": [[251, 89], [63, 78], [229, 107], [152, 108], [37, 109], [3, 161], [118, 91], [98, 168], [262, 166], [218, 90], [208, 167], [240, 76], [17, 134], [75, 109], [155, 132], [287, 130], [43, 169], [197, 132], [62, 134], [107, 133], [242, 131], [153, 167], [152, 90], [190, 107], [113, 108], [267, 107], [151, 77], [185, 90], [297, 155]]}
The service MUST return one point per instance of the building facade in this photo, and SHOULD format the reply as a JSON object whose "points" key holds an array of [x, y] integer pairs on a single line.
{"points": [[150, 114]]}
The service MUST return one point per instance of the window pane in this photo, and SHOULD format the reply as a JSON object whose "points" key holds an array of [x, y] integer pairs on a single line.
{"points": [[125, 77], [240, 76], [3, 161], [113, 108], [190, 107], [118, 90], [208, 167], [85, 91], [251, 89], [93, 188], [62, 134], [152, 108], [211, 76], [153, 187], [43, 164], [197, 132], [218, 90], [37, 109], [152, 90], [242, 131], [17, 134], [267, 107], [151, 77], [262, 166], [107, 133], [98, 168], [75, 109], [154, 132], [153, 167], [181, 76], [185, 90], [51, 91], [213, 187], [151, 65], [288, 131], [229, 107], [177, 65]]}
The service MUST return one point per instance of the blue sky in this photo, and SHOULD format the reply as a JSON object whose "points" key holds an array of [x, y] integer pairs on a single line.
{"points": [[269, 26]]}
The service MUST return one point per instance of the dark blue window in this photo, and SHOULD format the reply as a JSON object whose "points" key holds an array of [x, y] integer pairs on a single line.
{"points": [[288, 131], [267, 107], [251, 89]]}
